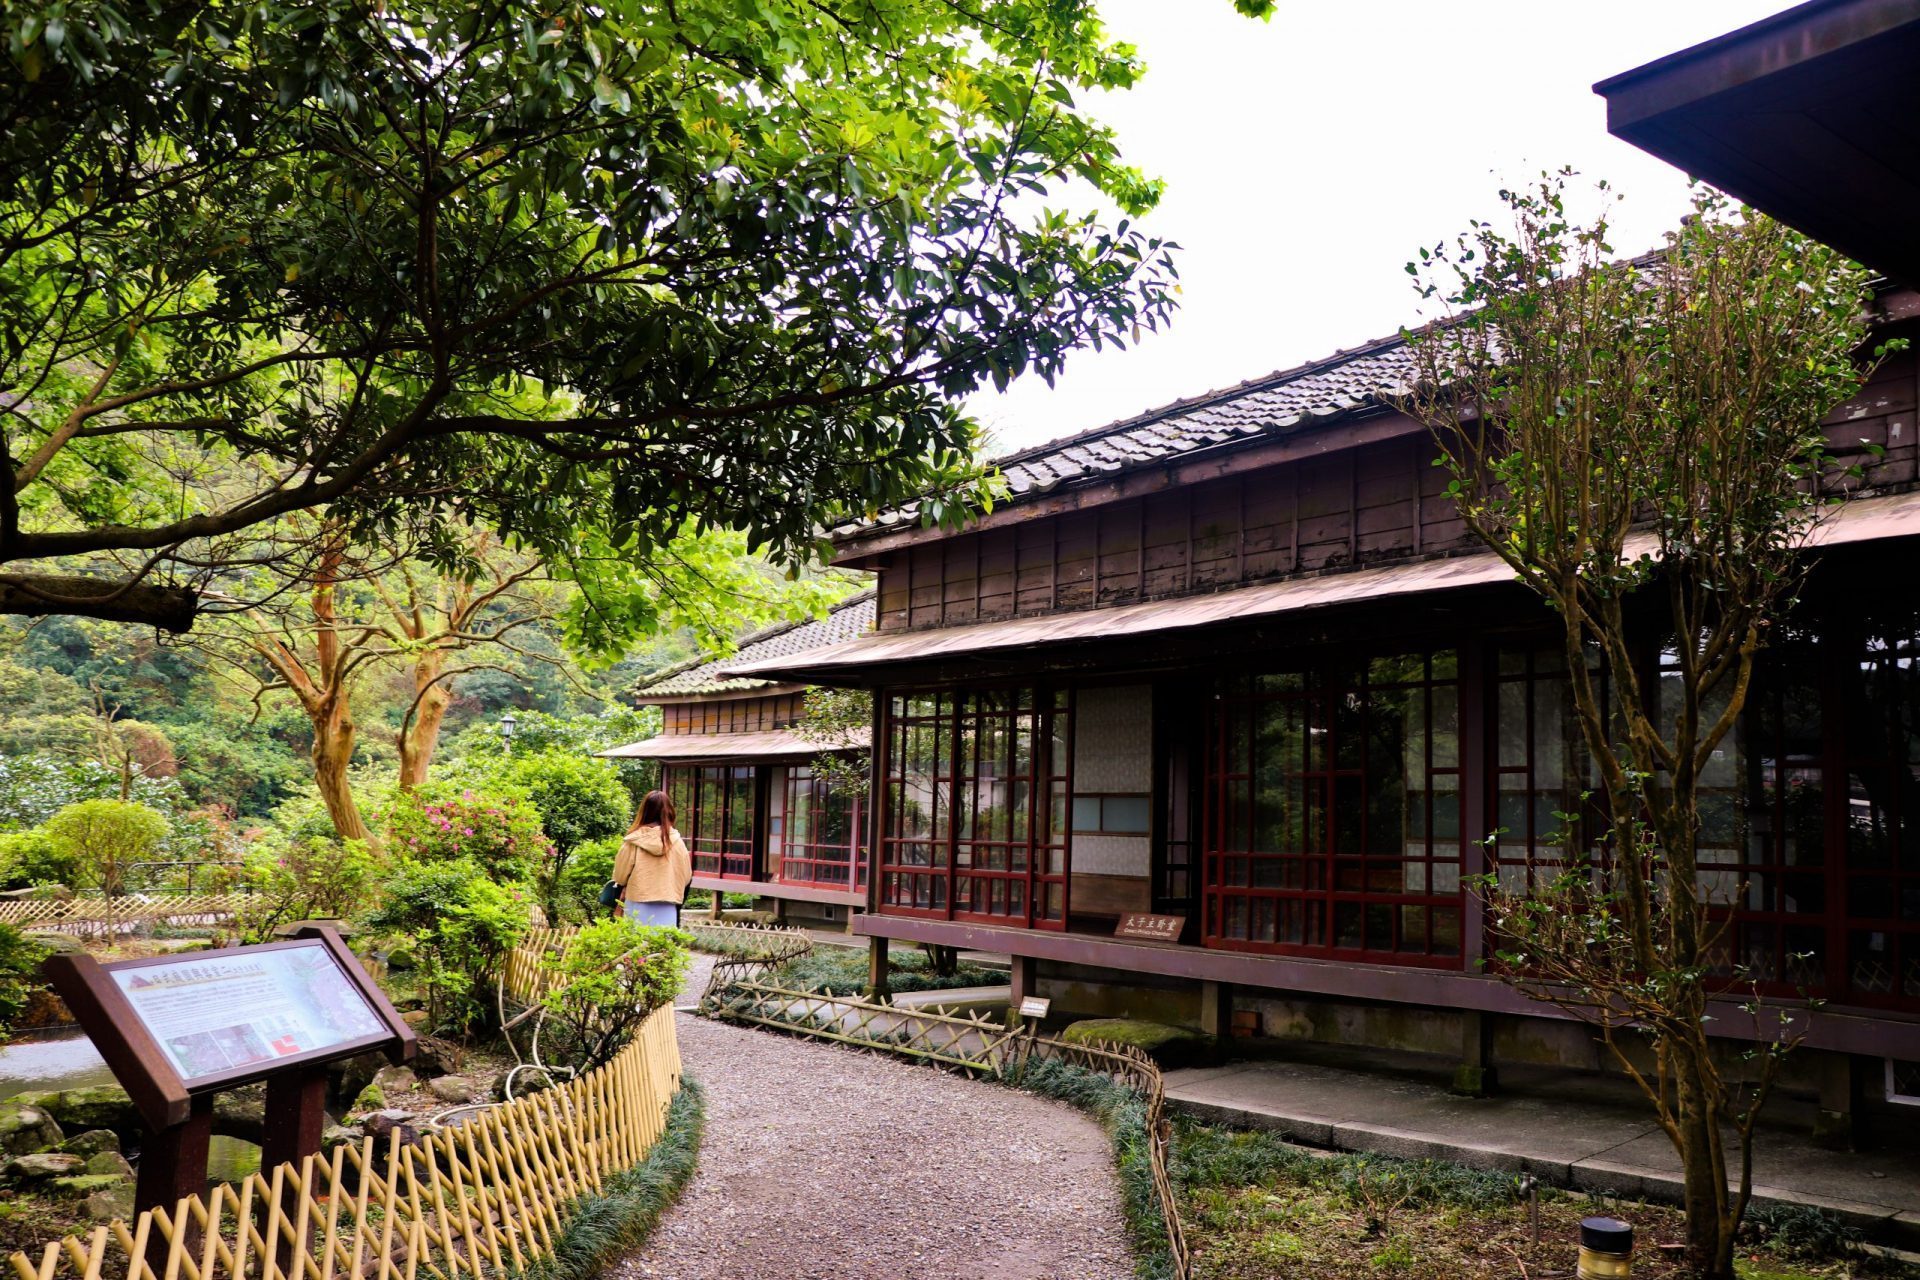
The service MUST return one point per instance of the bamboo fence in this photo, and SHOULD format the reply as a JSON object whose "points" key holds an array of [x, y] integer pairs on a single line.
{"points": [[486, 1198], [740, 991], [90, 913]]}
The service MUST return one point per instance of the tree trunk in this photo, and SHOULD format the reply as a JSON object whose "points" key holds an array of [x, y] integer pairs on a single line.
{"points": [[1710, 1230], [420, 734], [333, 734]]}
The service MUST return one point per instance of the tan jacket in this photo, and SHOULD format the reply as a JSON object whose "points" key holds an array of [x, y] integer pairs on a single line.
{"points": [[649, 872]]}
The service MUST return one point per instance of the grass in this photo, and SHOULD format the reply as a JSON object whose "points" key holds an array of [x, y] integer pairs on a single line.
{"points": [[1259, 1208], [1123, 1114], [844, 969], [603, 1227]]}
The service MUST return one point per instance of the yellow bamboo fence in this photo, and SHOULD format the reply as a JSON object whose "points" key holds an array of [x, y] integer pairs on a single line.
{"points": [[94, 913], [486, 1198]]}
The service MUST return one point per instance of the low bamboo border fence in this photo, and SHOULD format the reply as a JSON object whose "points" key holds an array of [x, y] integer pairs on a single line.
{"points": [[485, 1199], [739, 991], [91, 913]]}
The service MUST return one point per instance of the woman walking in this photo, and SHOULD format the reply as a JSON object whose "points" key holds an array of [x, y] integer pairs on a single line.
{"points": [[653, 866]]}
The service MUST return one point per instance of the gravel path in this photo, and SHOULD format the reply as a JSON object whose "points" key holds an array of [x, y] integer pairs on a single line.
{"points": [[821, 1163]]}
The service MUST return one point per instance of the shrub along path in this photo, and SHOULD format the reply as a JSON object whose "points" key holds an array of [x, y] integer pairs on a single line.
{"points": [[821, 1163]]}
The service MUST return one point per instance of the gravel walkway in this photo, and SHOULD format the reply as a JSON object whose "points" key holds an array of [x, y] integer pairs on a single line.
{"points": [[822, 1163]]}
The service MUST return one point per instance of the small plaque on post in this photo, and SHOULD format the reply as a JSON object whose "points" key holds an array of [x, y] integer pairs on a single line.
{"points": [[1035, 1007], [1151, 928]]}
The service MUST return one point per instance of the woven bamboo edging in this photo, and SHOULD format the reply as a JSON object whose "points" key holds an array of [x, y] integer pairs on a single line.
{"points": [[486, 1198], [739, 991], [91, 912]]}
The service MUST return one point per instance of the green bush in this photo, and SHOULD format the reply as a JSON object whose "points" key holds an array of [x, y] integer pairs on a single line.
{"points": [[844, 969], [459, 924], [306, 878], [20, 958], [501, 834], [614, 974], [28, 858], [586, 873], [104, 836], [579, 799]]}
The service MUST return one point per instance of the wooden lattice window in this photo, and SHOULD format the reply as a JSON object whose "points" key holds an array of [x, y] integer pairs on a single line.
{"points": [[821, 844], [715, 804], [977, 786], [1333, 812]]}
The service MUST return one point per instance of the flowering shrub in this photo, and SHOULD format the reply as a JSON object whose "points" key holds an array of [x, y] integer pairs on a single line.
{"points": [[304, 878], [614, 974], [459, 924], [500, 833]]}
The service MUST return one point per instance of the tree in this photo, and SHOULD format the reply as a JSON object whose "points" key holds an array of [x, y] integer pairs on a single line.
{"points": [[104, 837], [1641, 442], [580, 800], [581, 275]]}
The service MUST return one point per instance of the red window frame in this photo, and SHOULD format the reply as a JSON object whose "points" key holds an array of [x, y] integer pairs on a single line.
{"points": [[808, 860], [1290, 764], [975, 790], [712, 801]]}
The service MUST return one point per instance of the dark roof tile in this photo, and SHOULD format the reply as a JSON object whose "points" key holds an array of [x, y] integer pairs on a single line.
{"points": [[847, 620]]}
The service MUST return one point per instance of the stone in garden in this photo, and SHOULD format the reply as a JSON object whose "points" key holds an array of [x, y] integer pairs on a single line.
{"points": [[381, 1123], [41, 1166], [395, 1079], [339, 1135], [434, 1057], [240, 1116], [82, 1185], [98, 1106], [1168, 1046], [110, 1162], [111, 1202], [92, 1143], [25, 1128], [400, 958], [415, 1018], [454, 1088], [356, 1073], [56, 943], [371, 1098]]}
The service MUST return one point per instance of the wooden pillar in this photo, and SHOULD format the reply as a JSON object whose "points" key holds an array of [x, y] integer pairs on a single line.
{"points": [[173, 1162], [1833, 1121], [877, 968], [296, 1115], [1216, 1010], [1476, 1077], [1024, 979]]}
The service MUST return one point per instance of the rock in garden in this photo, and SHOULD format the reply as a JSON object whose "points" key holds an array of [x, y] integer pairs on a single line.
{"points": [[381, 1123], [112, 1202], [454, 1088], [25, 1128], [355, 1074], [99, 1106], [239, 1116], [83, 1185], [109, 1162], [339, 1135], [415, 1018], [56, 943], [395, 1079], [92, 1143], [41, 1166], [435, 1057]]}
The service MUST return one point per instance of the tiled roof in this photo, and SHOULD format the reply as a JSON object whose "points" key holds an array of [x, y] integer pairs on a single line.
{"points": [[1345, 383], [848, 620]]}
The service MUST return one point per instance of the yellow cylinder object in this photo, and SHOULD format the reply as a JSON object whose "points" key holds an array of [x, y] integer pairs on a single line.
{"points": [[1606, 1249]]}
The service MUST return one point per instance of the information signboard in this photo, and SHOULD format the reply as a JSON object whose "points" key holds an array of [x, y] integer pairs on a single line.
{"points": [[1152, 928], [222, 1014]]}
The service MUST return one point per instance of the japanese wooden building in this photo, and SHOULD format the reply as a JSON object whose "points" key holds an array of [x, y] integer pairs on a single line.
{"points": [[1236, 661], [754, 814]]}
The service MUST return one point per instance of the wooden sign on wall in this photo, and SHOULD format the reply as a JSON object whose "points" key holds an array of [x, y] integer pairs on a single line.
{"points": [[1151, 928]]}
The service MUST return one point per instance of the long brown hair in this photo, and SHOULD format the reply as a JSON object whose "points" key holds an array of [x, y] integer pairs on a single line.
{"points": [[656, 810]]}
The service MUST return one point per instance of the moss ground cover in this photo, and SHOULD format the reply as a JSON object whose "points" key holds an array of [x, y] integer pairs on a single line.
{"points": [[1258, 1208]]}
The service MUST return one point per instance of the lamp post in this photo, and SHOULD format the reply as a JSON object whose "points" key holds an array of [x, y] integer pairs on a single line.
{"points": [[506, 729]]}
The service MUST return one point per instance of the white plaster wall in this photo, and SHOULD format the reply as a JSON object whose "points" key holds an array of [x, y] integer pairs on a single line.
{"points": [[1113, 753]]}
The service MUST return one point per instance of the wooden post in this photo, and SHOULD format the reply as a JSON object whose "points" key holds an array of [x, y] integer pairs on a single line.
{"points": [[1833, 1120], [1476, 1077], [1025, 981], [296, 1116], [1216, 1010], [173, 1161], [877, 969]]}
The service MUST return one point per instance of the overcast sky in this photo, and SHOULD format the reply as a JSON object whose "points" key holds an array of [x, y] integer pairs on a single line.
{"points": [[1306, 158]]}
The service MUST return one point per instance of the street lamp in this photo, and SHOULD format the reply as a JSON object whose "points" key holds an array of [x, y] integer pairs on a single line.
{"points": [[506, 728]]}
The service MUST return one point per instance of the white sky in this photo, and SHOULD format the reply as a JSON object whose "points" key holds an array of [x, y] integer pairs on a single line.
{"points": [[1308, 157]]}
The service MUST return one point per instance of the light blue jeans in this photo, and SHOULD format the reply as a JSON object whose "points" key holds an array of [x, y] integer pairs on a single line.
{"points": [[663, 914]]}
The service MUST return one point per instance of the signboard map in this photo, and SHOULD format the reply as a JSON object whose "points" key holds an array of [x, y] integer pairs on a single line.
{"points": [[217, 1013]]}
